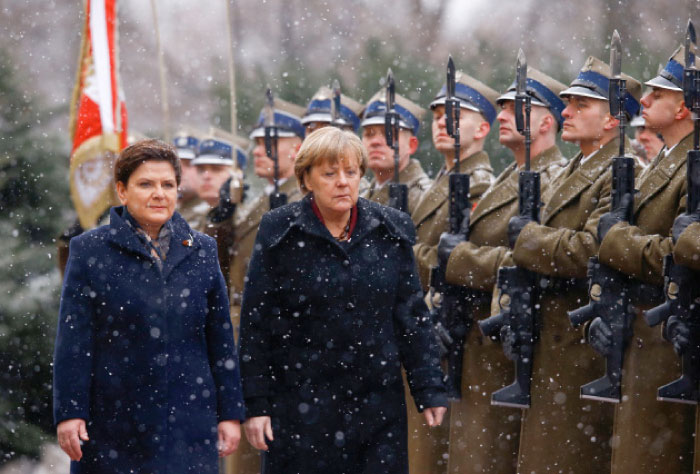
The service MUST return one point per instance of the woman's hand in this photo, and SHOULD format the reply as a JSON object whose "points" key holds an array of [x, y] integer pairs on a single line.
{"points": [[257, 429], [69, 433], [433, 416], [229, 437]]}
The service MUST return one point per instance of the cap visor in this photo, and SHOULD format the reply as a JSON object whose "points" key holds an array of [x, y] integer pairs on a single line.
{"points": [[510, 95], [212, 160], [318, 117], [581, 92], [379, 120], [185, 154], [463, 104], [260, 133], [663, 83]]}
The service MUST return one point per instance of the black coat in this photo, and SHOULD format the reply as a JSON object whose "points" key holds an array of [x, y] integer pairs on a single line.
{"points": [[145, 356], [325, 328]]}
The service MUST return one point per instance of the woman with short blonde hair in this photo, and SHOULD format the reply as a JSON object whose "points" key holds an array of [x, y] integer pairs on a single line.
{"points": [[332, 309]]}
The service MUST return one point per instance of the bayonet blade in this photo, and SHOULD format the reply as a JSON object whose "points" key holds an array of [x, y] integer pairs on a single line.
{"points": [[270, 109], [616, 55], [521, 74], [335, 102], [690, 41], [390, 91], [451, 78]]}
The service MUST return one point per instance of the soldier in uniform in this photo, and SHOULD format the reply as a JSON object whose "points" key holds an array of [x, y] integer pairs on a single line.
{"points": [[650, 142], [189, 205], [381, 157], [560, 431], [484, 438], [238, 224], [477, 113], [650, 435], [318, 112], [214, 165], [428, 448]]}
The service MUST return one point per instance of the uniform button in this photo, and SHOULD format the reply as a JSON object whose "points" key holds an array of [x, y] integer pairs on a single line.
{"points": [[346, 263], [350, 306]]}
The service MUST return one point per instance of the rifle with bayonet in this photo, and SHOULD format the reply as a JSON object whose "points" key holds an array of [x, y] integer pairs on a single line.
{"points": [[518, 287], [335, 105], [611, 293], [398, 193], [452, 318], [682, 305], [277, 198]]}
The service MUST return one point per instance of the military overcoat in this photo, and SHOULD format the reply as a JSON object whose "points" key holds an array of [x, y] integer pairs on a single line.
{"points": [[412, 176], [650, 435], [483, 437], [146, 356], [325, 329], [560, 429]]}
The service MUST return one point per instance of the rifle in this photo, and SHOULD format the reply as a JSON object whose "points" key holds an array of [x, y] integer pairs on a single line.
{"points": [[335, 105], [610, 291], [518, 287], [398, 193], [454, 313], [277, 199], [680, 283]]}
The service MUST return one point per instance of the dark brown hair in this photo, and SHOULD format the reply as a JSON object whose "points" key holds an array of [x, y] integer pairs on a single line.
{"points": [[133, 156]]}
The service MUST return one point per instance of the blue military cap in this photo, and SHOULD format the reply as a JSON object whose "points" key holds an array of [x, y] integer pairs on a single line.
{"points": [[240, 144], [410, 114], [594, 81], [287, 120], [472, 94], [671, 76], [319, 109], [186, 145], [543, 90], [214, 151]]}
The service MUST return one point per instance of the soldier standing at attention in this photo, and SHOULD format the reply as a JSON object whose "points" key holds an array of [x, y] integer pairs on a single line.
{"points": [[238, 224], [484, 438], [381, 157], [477, 113], [560, 431], [189, 205], [652, 436], [428, 448]]}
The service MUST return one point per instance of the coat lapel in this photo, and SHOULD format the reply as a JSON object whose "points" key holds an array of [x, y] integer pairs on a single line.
{"points": [[503, 191], [433, 198], [182, 245], [657, 178], [122, 235], [578, 178]]}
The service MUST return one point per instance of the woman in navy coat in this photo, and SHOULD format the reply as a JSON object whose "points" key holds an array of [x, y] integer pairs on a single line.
{"points": [[332, 308], [146, 374]]}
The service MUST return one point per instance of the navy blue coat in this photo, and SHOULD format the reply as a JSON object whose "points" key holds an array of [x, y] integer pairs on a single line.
{"points": [[145, 356], [325, 328]]}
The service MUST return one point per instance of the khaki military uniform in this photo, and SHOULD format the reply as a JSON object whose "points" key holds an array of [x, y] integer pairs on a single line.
{"points": [[560, 431], [194, 211], [431, 215], [428, 447], [237, 236], [686, 252], [412, 176], [650, 436], [484, 438]]}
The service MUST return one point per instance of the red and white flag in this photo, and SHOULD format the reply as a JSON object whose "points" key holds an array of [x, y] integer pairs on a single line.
{"points": [[98, 114]]}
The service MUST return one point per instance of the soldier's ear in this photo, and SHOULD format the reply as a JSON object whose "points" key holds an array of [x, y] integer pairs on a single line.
{"points": [[683, 111], [482, 130], [413, 144], [546, 124], [610, 122]]}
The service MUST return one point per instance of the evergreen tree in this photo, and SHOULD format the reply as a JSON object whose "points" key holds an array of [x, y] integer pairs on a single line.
{"points": [[33, 195]]}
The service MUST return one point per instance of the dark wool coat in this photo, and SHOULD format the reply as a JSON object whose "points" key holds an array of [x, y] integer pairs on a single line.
{"points": [[325, 327], [145, 356]]}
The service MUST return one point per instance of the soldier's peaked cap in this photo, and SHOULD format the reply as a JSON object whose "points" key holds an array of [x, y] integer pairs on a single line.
{"points": [[319, 109], [594, 81], [240, 144], [472, 94], [214, 151], [186, 143], [287, 119], [543, 90], [671, 76], [410, 114]]}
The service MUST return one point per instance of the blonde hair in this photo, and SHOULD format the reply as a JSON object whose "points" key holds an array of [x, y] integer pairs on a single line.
{"points": [[328, 145]]}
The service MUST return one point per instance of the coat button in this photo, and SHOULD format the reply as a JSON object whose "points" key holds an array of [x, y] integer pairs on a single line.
{"points": [[346, 263], [350, 306]]}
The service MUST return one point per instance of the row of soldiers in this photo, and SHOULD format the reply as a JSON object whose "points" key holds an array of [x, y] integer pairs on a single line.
{"points": [[559, 431]]}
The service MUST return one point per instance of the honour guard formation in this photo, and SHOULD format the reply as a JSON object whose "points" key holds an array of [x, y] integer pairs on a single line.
{"points": [[355, 314]]}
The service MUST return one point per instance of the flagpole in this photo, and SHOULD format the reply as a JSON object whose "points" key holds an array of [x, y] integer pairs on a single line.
{"points": [[231, 69], [163, 75]]}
